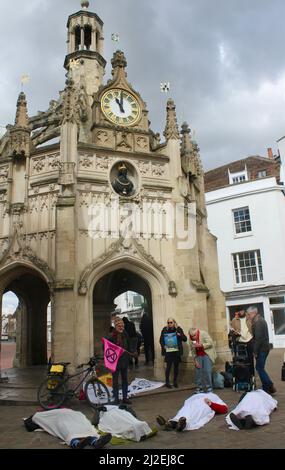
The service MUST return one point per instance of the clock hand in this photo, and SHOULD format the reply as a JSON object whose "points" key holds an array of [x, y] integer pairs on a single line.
{"points": [[120, 105], [122, 102]]}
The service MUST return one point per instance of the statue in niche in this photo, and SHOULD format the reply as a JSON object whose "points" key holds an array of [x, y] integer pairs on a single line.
{"points": [[122, 183]]}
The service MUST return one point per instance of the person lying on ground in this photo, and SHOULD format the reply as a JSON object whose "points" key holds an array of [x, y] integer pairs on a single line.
{"points": [[253, 409], [197, 410], [121, 422], [70, 426]]}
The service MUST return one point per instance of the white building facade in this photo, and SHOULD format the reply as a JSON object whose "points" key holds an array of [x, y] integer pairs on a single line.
{"points": [[248, 219]]}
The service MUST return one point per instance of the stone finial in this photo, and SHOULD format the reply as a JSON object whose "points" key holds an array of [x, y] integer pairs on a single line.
{"points": [[84, 4], [186, 146], [19, 139], [22, 119], [171, 129], [190, 158], [118, 61]]}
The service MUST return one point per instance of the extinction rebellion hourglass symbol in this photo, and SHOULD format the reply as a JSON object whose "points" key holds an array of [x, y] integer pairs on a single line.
{"points": [[111, 355]]}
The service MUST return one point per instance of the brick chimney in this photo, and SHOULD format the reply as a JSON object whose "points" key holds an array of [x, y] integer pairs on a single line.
{"points": [[270, 153]]}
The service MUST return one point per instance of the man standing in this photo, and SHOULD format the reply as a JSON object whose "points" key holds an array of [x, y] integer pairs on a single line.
{"points": [[242, 327], [261, 347], [146, 329]]}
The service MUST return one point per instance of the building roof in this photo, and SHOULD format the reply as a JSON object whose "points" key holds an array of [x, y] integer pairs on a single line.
{"points": [[219, 177]]}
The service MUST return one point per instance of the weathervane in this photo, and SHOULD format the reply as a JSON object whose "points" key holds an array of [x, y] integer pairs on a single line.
{"points": [[25, 78]]}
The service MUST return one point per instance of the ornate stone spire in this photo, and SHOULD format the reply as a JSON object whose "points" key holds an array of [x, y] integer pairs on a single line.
{"points": [[20, 132], [119, 62], [171, 129], [190, 158], [22, 119]]}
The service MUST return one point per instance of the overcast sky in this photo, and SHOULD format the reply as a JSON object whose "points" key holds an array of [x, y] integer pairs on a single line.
{"points": [[224, 60]]}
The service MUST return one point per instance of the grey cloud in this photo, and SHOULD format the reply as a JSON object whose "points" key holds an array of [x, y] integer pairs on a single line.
{"points": [[171, 41]]}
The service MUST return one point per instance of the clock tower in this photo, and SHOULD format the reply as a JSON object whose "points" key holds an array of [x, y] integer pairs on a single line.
{"points": [[84, 60]]}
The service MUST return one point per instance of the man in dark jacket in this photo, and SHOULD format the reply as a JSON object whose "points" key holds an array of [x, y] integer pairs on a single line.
{"points": [[146, 329], [261, 347]]}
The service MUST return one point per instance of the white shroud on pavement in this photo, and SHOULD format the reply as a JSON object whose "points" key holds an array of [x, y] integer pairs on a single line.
{"points": [[122, 423], [258, 404], [196, 411], [65, 424]]}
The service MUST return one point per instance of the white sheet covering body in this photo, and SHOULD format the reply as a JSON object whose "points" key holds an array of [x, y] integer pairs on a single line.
{"points": [[258, 404], [196, 411], [65, 424], [121, 423]]}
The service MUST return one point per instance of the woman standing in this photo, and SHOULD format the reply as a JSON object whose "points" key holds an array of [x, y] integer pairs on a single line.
{"points": [[171, 338], [204, 353]]}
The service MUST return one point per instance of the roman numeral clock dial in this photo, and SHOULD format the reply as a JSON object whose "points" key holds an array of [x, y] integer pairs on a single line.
{"points": [[120, 107]]}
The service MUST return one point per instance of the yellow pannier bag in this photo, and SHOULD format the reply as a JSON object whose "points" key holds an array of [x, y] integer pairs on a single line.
{"points": [[57, 369]]}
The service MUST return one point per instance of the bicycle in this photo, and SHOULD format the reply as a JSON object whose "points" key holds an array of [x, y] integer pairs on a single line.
{"points": [[54, 390]]}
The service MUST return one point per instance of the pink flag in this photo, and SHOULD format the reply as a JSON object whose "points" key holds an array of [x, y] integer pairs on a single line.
{"points": [[112, 353]]}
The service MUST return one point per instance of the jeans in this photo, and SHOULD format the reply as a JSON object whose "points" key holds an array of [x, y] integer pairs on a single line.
{"points": [[260, 367], [124, 375], [204, 373], [171, 358]]}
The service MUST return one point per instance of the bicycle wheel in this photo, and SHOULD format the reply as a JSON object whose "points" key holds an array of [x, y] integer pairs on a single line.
{"points": [[96, 392], [52, 392]]}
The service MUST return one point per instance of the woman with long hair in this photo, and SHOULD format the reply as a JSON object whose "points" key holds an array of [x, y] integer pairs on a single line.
{"points": [[171, 338]]}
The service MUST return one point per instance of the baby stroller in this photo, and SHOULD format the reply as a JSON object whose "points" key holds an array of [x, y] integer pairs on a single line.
{"points": [[243, 380]]}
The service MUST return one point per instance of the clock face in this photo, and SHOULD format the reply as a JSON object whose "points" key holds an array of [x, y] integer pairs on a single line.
{"points": [[120, 107]]}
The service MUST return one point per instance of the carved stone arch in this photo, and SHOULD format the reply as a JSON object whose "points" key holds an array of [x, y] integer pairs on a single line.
{"points": [[33, 287], [7, 272], [131, 251]]}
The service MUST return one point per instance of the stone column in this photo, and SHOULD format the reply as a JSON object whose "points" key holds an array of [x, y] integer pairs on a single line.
{"points": [[101, 323], [64, 299]]}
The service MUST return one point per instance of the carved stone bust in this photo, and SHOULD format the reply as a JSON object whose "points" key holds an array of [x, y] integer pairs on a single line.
{"points": [[122, 183]]}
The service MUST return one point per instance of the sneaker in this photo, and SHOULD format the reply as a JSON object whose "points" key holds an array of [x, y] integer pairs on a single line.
{"points": [[160, 420], [101, 442], [198, 390], [175, 385], [270, 389], [249, 422], [168, 385], [83, 443], [209, 390], [181, 424], [170, 425], [126, 401], [236, 421]]}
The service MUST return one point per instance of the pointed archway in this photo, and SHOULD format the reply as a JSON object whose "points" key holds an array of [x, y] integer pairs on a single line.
{"points": [[107, 288], [33, 292]]}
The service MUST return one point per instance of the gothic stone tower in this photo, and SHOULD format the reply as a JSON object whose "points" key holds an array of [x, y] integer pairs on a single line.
{"points": [[106, 209]]}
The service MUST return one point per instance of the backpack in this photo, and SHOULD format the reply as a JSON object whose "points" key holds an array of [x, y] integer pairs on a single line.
{"points": [[218, 380], [228, 379]]}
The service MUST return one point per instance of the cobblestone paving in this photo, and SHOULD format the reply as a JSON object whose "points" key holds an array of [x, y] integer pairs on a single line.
{"points": [[215, 435]]}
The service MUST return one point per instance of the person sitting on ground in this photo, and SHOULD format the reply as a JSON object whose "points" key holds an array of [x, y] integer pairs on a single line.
{"points": [[70, 426], [197, 411], [253, 410]]}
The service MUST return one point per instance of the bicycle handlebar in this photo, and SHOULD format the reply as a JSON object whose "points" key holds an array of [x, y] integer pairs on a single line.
{"points": [[93, 361]]}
